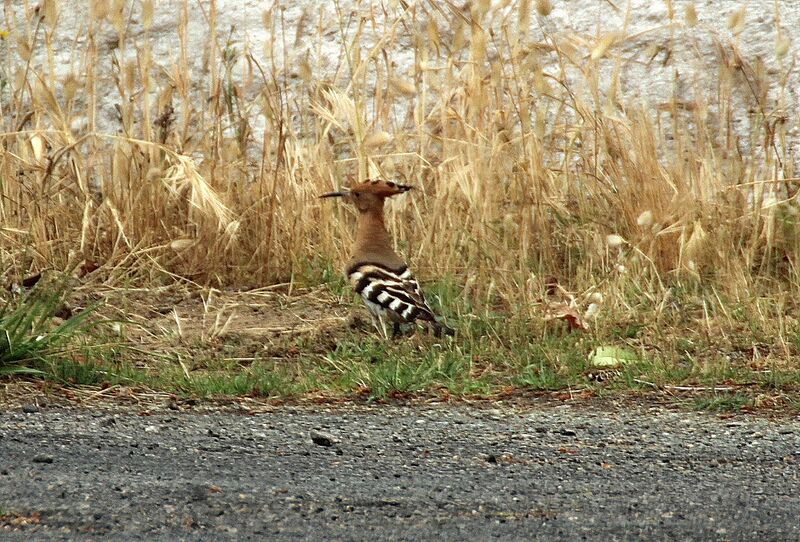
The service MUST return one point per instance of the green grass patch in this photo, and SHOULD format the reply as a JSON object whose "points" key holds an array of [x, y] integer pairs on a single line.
{"points": [[257, 380], [265, 380], [734, 402], [92, 373], [493, 354], [37, 327], [380, 369]]}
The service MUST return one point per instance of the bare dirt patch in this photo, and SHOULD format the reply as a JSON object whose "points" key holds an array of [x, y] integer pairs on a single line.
{"points": [[262, 323]]}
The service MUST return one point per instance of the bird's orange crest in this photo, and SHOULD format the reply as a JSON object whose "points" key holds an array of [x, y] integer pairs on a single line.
{"points": [[379, 188], [383, 189]]}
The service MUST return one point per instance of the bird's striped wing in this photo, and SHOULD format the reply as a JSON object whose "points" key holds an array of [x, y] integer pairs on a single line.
{"points": [[411, 284], [396, 292]]}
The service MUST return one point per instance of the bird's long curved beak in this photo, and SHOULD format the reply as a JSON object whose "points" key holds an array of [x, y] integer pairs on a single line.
{"points": [[340, 194]]}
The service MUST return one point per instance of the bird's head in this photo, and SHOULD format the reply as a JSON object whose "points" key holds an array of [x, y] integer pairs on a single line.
{"points": [[369, 194]]}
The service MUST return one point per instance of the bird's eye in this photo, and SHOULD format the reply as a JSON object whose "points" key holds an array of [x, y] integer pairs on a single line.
{"points": [[356, 194]]}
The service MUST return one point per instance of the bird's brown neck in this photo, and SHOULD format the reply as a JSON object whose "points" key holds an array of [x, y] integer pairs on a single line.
{"points": [[373, 242]]}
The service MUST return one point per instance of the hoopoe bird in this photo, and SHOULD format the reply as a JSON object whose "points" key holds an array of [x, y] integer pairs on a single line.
{"points": [[376, 271]]}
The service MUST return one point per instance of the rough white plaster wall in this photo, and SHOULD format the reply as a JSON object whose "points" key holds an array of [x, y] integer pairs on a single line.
{"points": [[241, 23]]}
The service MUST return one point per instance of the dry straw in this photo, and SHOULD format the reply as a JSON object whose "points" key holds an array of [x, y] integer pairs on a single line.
{"points": [[526, 167]]}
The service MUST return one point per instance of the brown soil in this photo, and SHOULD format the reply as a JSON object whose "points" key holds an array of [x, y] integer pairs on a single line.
{"points": [[265, 323]]}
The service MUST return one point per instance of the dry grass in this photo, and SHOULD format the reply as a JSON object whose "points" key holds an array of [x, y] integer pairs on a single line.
{"points": [[525, 172]]}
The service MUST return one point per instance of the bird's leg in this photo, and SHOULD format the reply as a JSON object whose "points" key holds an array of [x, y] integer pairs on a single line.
{"points": [[376, 323], [383, 328], [380, 325]]}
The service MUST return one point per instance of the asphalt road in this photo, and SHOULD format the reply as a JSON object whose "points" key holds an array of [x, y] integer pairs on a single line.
{"points": [[398, 473]]}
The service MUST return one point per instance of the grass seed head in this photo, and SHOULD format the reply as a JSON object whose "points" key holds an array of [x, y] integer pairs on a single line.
{"points": [[544, 7], [737, 20], [404, 87], [691, 15], [147, 14], [377, 139], [782, 45], [613, 240], [603, 45]]}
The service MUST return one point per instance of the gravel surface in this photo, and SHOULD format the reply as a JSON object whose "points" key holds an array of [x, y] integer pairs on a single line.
{"points": [[397, 473]]}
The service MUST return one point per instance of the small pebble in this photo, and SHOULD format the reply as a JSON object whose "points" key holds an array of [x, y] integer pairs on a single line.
{"points": [[107, 422], [322, 439]]}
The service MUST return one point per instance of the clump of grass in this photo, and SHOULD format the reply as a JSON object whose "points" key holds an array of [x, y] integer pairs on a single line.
{"points": [[734, 402], [260, 380], [383, 370], [28, 335]]}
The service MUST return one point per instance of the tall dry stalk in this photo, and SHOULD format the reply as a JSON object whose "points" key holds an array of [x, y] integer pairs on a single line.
{"points": [[526, 155]]}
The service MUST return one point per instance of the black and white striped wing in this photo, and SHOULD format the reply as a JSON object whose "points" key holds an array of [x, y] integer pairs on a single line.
{"points": [[412, 286], [395, 293]]}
